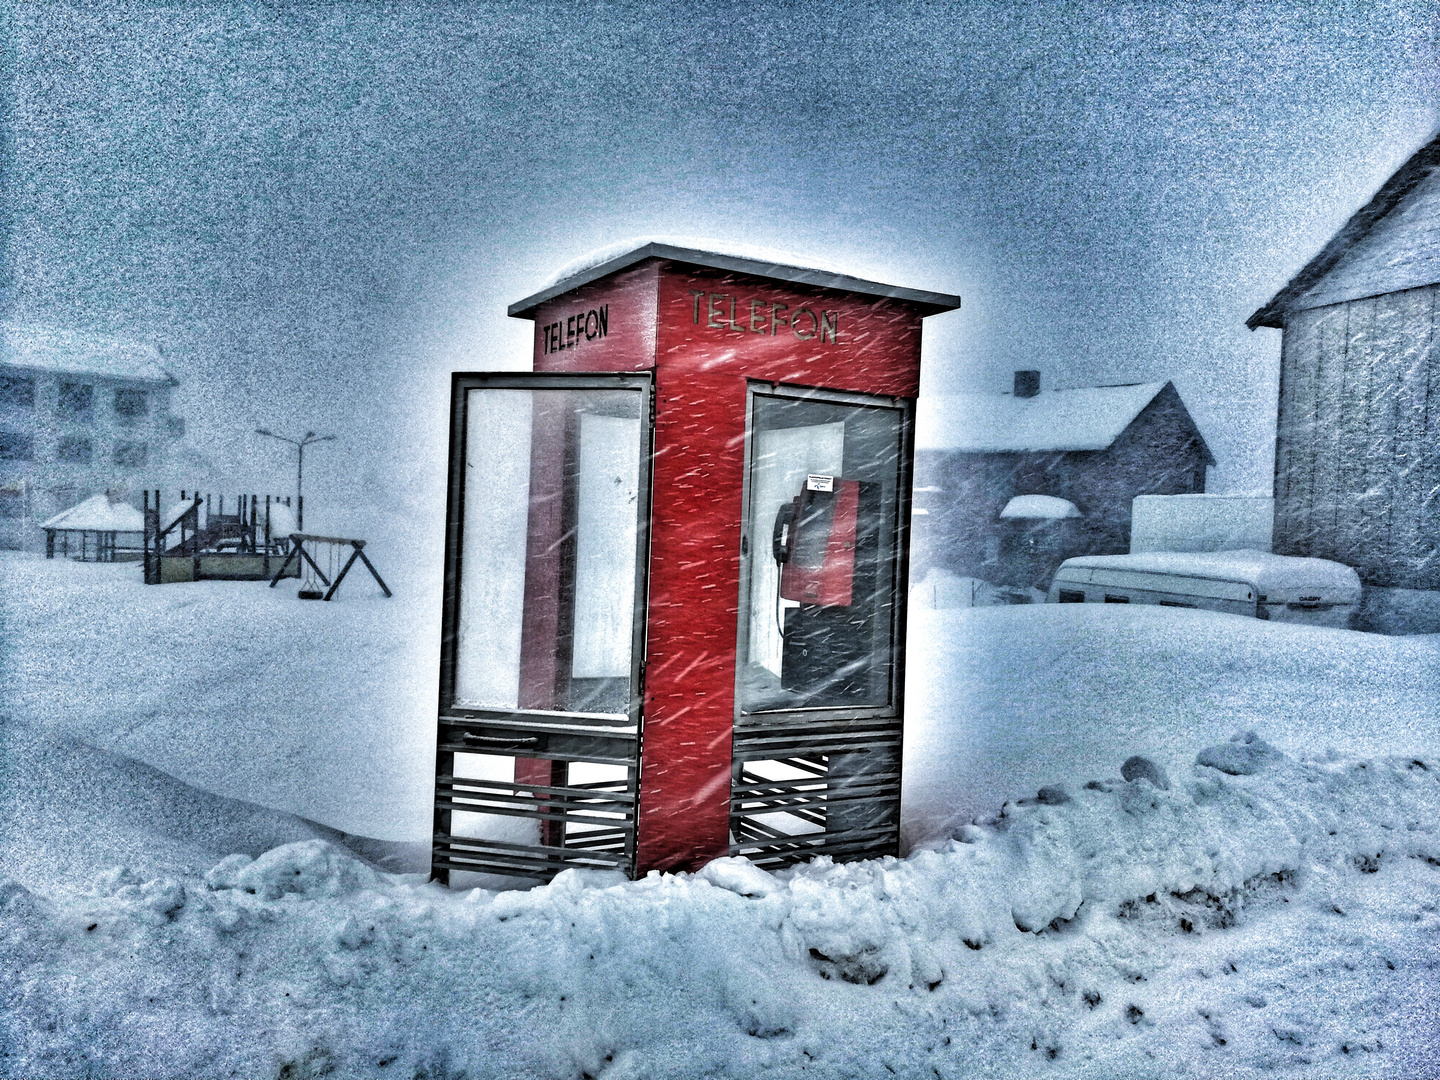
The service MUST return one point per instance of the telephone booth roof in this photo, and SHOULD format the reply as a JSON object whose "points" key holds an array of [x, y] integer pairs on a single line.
{"points": [[599, 266]]}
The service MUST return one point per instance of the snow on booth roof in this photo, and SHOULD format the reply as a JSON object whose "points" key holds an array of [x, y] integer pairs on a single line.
{"points": [[70, 352], [98, 514], [1085, 418], [1041, 507], [739, 258], [1265, 572]]}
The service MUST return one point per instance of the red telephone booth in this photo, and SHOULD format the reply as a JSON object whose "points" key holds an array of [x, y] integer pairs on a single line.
{"points": [[676, 560]]}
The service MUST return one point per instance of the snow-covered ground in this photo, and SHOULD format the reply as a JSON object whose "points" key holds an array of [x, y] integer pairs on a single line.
{"points": [[325, 710], [1274, 910], [1002, 700]]}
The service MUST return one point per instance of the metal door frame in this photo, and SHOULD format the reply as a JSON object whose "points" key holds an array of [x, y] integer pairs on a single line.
{"points": [[806, 739], [528, 733]]}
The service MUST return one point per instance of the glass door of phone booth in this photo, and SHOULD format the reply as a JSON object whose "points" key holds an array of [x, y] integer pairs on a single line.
{"points": [[819, 562], [543, 627], [816, 752]]}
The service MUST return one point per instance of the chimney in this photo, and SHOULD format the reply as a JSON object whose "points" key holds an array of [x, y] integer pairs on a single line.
{"points": [[1027, 383]]}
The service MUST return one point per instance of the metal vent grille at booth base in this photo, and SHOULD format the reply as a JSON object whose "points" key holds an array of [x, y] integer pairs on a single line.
{"points": [[819, 788]]}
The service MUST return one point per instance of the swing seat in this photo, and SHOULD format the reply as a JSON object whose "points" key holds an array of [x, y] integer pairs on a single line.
{"points": [[312, 577]]}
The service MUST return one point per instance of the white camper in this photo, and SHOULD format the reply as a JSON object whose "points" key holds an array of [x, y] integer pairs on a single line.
{"points": [[1255, 583]]}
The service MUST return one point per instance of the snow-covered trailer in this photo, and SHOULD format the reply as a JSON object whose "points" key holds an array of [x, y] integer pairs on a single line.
{"points": [[1255, 583]]}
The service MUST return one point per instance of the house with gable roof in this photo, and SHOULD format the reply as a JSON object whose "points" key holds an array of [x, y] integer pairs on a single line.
{"points": [[79, 414], [1357, 447], [1007, 486]]}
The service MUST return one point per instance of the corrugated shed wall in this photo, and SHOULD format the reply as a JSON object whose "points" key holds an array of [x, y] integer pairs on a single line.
{"points": [[1357, 471]]}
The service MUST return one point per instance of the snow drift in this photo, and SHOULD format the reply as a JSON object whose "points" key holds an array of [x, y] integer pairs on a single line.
{"points": [[1263, 913]]}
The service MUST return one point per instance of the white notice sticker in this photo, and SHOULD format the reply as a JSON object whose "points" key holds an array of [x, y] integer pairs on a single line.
{"points": [[815, 482]]}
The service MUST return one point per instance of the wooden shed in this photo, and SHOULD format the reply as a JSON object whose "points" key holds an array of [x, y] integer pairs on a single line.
{"points": [[1357, 460], [1096, 447]]}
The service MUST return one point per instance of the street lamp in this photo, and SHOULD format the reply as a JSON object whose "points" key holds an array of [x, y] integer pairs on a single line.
{"points": [[299, 444]]}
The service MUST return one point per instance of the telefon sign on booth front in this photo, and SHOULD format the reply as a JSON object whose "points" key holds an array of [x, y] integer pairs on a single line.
{"points": [[676, 563]]}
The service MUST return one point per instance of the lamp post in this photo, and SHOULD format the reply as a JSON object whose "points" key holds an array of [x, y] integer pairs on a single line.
{"points": [[299, 444]]}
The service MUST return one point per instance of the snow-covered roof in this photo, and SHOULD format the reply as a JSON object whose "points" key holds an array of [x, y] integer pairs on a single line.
{"points": [[1408, 180], [177, 510], [1086, 418], [71, 352], [1265, 572], [98, 514], [739, 258], [1047, 507]]}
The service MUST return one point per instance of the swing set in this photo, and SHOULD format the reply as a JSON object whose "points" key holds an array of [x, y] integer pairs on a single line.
{"points": [[331, 550]]}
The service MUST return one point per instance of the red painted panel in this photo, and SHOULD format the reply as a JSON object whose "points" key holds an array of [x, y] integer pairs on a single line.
{"points": [[541, 621], [709, 332], [540, 635], [788, 333], [627, 300]]}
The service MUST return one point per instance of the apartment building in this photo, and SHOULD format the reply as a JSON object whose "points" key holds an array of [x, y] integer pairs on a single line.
{"points": [[79, 414]]}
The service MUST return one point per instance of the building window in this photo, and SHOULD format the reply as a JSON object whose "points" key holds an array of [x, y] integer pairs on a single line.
{"points": [[175, 425], [75, 450], [130, 455], [1111, 598], [131, 404], [76, 400], [1071, 597], [12, 504], [15, 447], [17, 391]]}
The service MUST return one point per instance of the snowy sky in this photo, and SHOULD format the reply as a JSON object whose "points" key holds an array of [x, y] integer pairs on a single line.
{"points": [[318, 212]]}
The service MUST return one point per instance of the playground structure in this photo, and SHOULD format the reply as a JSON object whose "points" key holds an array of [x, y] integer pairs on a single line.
{"points": [[196, 540], [308, 568]]}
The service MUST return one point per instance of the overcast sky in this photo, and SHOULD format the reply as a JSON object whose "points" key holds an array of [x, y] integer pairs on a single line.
{"points": [[316, 213]]}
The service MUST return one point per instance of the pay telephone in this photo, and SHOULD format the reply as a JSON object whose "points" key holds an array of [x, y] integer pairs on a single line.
{"points": [[814, 542], [826, 544]]}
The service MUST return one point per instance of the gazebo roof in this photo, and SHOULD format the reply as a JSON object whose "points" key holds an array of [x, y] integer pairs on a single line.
{"points": [[98, 514]]}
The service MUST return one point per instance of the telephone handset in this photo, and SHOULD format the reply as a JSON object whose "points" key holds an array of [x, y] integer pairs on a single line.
{"points": [[826, 544], [781, 541]]}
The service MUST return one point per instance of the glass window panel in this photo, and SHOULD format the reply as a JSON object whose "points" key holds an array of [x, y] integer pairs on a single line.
{"points": [[492, 559], [75, 450], [76, 400], [17, 390], [16, 447], [130, 455], [131, 403], [818, 580], [547, 593]]}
